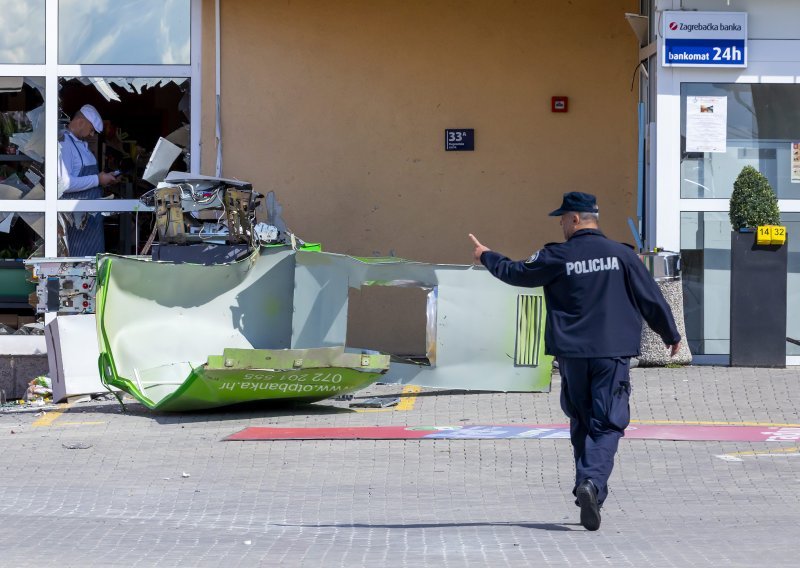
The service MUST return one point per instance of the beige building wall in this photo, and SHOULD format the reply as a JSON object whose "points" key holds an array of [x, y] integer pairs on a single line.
{"points": [[340, 108]]}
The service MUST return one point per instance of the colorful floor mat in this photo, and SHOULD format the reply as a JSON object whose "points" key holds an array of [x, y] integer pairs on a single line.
{"points": [[677, 432]]}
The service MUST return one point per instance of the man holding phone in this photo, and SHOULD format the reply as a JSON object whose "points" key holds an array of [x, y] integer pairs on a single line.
{"points": [[80, 178]]}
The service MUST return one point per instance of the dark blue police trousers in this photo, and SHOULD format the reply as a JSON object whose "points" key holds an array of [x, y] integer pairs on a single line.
{"points": [[594, 395]]}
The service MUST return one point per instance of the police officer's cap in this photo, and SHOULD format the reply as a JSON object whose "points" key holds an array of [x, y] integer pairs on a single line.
{"points": [[576, 202]]}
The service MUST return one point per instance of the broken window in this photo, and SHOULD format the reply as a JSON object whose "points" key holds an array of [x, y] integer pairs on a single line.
{"points": [[136, 113], [21, 237], [122, 232], [22, 135]]}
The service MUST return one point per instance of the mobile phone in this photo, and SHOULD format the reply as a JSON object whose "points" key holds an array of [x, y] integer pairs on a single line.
{"points": [[116, 173]]}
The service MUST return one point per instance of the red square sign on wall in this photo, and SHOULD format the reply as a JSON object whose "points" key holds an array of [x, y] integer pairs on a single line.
{"points": [[559, 104]]}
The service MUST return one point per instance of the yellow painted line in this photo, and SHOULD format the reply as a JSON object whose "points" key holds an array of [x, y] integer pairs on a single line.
{"points": [[406, 403], [765, 452], [715, 423], [51, 415]]}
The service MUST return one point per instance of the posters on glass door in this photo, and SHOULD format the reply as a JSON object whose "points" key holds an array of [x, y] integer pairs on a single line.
{"points": [[795, 153], [706, 124]]}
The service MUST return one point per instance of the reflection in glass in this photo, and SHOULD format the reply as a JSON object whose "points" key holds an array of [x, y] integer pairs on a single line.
{"points": [[792, 222], [763, 121], [130, 32], [22, 32], [22, 138], [705, 271], [706, 275]]}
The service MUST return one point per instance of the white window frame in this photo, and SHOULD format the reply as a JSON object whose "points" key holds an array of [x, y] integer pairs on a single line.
{"points": [[769, 62], [51, 205]]}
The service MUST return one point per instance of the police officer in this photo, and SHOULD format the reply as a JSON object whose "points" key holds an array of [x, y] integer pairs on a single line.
{"points": [[597, 292]]}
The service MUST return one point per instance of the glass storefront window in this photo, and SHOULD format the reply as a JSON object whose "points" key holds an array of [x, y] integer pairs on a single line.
{"points": [[706, 275], [763, 121], [792, 222], [124, 32], [135, 112], [21, 235], [119, 233], [22, 138], [705, 271], [23, 32]]}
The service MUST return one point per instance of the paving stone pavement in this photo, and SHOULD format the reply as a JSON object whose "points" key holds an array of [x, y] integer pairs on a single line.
{"points": [[164, 490]]}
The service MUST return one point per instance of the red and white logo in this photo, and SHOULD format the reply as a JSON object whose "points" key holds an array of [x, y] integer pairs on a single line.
{"points": [[673, 26]]}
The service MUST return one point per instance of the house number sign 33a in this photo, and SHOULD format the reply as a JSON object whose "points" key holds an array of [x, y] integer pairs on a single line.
{"points": [[459, 139]]}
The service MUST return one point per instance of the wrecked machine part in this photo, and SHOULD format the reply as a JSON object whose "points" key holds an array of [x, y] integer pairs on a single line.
{"points": [[66, 285], [244, 306], [248, 375], [63, 285], [280, 303], [193, 209]]}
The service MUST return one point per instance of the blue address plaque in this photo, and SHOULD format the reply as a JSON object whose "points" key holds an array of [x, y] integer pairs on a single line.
{"points": [[459, 139]]}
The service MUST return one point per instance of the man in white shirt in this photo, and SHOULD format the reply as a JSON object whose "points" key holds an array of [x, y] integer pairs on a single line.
{"points": [[80, 178]]}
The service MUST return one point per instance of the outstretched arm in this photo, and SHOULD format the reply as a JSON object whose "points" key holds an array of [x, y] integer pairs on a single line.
{"points": [[538, 270]]}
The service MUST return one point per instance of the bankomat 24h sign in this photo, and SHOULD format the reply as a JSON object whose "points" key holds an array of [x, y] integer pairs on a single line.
{"points": [[705, 39]]}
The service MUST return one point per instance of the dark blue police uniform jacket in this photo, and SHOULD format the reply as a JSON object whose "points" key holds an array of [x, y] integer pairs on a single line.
{"points": [[597, 292]]}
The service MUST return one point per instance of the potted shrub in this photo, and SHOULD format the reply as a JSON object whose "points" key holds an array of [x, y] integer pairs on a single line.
{"points": [[758, 276], [753, 202]]}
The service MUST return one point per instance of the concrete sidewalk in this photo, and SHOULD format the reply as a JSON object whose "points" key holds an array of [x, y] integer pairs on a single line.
{"points": [[92, 486]]}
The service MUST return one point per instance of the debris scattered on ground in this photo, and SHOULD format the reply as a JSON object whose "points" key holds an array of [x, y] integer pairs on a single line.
{"points": [[77, 445], [79, 399], [105, 396], [24, 407], [40, 391], [185, 475], [378, 402]]}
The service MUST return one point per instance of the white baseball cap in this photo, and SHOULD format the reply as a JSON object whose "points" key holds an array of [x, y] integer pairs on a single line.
{"points": [[91, 114]]}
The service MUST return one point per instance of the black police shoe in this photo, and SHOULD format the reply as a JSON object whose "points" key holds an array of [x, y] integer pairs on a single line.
{"points": [[590, 510]]}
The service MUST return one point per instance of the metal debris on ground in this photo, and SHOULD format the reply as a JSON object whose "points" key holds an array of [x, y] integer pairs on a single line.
{"points": [[22, 406], [80, 398], [76, 445], [378, 402]]}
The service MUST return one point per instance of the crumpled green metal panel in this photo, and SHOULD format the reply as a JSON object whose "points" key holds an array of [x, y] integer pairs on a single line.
{"points": [[482, 334], [166, 330], [161, 325]]}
